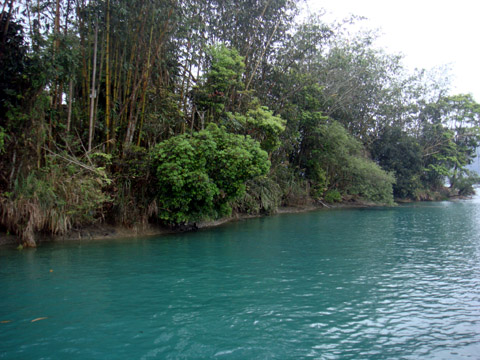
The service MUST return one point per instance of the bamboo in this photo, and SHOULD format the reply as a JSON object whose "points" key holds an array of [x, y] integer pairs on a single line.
{"points": [[85, 60], [145, 84], [3, 10], [133, 116], [93, 95], [56, 46], [107, 78], [9, 15], [128, 81], [117, 88], [97, 99], [116, 77], [70, 101]]}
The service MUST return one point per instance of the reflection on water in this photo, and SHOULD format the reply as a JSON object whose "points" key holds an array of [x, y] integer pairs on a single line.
{"points": [[350, 284]]}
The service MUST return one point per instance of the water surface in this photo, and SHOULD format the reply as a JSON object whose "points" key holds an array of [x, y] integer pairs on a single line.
{"points": [[395, 283]]}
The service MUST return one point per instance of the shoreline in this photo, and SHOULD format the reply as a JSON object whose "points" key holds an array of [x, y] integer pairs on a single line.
{"points": [[106, 231], [110, 232]]}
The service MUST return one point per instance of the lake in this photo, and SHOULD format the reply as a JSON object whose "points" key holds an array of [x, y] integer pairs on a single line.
{"points": [[377, 283]]}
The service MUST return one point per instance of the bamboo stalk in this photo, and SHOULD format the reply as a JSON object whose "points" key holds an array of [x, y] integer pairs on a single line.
{"points": [[70, 101], [145, 84], [93, 95], [107, 79], [97, 98]]}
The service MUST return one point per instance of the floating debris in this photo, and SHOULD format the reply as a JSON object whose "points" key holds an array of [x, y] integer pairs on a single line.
{"points": [[38, 319]]}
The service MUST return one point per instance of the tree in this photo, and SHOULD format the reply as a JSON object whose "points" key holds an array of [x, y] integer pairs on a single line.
{"points": [[362, 86], [13, 59], [396, 151], [222, 83], [341, 159], [86, 80], [450, 136], [260, 123]]}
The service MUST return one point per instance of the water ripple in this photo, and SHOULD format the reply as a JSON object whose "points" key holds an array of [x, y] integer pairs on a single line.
{"points": [[364, 284]]}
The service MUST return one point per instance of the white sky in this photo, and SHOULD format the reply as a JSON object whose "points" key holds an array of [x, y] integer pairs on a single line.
{"points": [[429, 33]]}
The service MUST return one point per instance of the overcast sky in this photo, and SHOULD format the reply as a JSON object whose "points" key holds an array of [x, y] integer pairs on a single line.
{"points": [[429, 33]]}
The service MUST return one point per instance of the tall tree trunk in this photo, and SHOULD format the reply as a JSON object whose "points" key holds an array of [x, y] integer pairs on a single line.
{"points": [[107, 78], [83, 46], [145, 86], [93, 95], [247, 86], [9, 15], [132, 119], [70, 101], [56, 46], [117, 95], [102, 56]]}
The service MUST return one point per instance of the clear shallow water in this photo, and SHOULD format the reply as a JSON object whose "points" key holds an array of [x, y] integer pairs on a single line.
{"points": [[400, 283]]}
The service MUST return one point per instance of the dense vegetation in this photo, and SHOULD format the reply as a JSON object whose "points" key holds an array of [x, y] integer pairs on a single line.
{"points": [[177, 111]]}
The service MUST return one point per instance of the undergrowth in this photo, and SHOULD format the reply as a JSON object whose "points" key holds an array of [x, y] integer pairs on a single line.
{"points": [[53, 199]]}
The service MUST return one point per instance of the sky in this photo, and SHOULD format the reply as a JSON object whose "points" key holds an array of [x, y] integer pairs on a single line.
{"points": [[429, 33]]}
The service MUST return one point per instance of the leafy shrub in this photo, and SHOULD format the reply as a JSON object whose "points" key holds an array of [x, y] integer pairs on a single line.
{"points": [[260, 123], [333, 196], [199, 175], [465, 184], [347, 168], [368, 181]]}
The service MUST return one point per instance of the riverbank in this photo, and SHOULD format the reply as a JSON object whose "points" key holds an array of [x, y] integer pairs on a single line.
{"points": [[107, 231]]}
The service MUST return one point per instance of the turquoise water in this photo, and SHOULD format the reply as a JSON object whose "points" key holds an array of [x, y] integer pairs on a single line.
{"points": [[395, 283]]}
